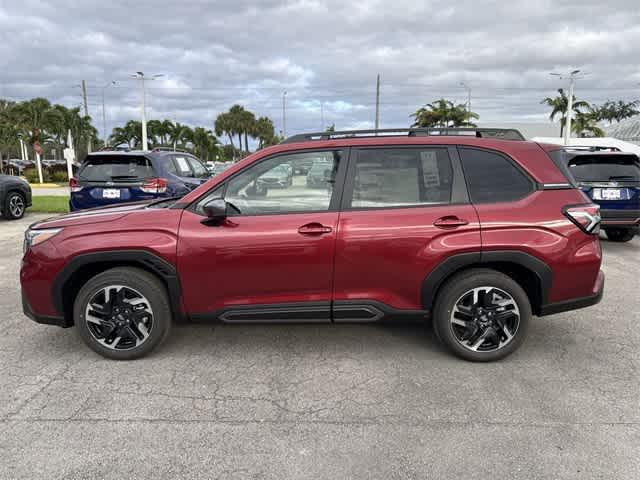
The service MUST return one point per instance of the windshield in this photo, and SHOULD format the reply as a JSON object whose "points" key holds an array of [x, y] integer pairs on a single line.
{"points": [[115, 168], [605, 170]]}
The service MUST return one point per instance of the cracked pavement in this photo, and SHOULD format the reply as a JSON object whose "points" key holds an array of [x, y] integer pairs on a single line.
{"points": [[324, 401]]}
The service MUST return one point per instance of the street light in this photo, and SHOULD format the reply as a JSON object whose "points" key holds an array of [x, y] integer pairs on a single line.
{"points": [[468, 89], [104, 115], [141, 76], [571, 76], [284, 114]]}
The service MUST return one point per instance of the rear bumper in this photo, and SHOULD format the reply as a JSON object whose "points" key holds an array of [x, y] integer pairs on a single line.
{"points": [[576, 303], [620, 218]]}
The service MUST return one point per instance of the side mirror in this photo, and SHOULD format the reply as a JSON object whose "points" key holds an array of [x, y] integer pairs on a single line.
{"points": [[215, 211]]}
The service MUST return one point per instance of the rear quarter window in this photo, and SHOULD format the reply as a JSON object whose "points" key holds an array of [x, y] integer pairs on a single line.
{"points": [[493, 178]]}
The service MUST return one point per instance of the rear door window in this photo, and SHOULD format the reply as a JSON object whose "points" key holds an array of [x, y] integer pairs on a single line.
{"points": [[115, 168], [492, 178], [398, 177]]}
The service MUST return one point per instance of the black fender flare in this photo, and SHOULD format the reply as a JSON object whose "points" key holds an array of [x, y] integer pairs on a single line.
{"points": [[140, 258], [458, 262]]}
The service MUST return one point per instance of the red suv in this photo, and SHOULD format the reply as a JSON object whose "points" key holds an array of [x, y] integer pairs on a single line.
{"points": [[476, 232]]}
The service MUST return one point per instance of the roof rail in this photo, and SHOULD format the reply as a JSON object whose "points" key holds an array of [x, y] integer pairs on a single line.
{"points": [[502, 133], [168, 149]]}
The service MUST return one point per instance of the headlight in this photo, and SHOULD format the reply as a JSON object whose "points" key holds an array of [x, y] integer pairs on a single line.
{"points": [[34, 237]]}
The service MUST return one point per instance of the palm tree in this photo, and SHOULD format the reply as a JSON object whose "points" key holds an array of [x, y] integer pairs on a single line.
{"points": [[224, 126], [443, 113], [130, 133], [264, 131], [585, 124], [204, 143], [559, 106], [179, 134]]}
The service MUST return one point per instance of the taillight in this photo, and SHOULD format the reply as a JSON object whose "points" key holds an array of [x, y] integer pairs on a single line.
{"points": [[73, 185], [586, 216], [154, 185]]}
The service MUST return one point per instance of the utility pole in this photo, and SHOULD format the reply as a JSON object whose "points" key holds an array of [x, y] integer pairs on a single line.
{"points": [[86, 110], [377, 123], [284, 114], [104, 115], [321, 116], [140, 75], [569, 114], [468, 89]]}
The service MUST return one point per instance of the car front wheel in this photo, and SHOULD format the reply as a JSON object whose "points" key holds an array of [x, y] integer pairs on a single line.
{"points": [[481, 315], [123, 313]]}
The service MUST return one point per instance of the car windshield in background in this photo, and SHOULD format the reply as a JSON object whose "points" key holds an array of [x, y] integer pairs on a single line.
{"points": [[606, 169], [115, 168]]}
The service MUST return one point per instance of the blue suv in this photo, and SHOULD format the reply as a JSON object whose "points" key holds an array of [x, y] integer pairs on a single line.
{"points": [[110, 177], [612, 180]]}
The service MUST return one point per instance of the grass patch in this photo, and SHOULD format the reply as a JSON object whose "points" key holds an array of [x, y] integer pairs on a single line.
{"points": [[50, 204]]}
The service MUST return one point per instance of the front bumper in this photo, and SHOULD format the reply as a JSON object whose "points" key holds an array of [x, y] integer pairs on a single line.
{"points": [[42, 319], [576, 303]]}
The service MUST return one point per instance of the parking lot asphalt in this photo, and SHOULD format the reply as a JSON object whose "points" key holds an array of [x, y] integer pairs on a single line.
{"points": [[329, 401]]}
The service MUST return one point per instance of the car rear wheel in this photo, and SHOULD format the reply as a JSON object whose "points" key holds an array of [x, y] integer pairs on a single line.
{"points": [[620, 234], [123, 313], [481, 315], [14, 206]]}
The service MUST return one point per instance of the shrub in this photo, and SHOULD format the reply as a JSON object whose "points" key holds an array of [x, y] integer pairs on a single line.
{"points": [[31, 174], [59, 176]]}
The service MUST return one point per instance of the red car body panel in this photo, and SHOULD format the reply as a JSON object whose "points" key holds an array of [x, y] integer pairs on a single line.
{"points": [[255, 260], [384, 255], [380, 254]]}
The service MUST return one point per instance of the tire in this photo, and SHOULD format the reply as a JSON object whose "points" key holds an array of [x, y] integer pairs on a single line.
{"points": [[511, 310], [137, 287], [14, 206], [620, 234]]}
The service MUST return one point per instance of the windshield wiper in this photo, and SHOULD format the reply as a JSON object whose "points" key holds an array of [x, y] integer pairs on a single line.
{"points": [[622, 177]]}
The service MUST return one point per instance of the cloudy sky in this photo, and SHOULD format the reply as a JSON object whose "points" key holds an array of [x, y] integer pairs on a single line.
{"points": [[324, 54]]}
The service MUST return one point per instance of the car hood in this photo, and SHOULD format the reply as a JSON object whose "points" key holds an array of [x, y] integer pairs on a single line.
{"points": [[12, 178], [92, 215]]}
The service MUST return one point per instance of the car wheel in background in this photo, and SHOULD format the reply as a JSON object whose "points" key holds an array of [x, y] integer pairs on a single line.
{"points": [[14, 206], [123, 313], [481, 315], [620, 234]]}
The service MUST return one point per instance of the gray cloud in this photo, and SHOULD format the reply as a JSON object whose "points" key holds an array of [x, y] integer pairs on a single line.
{"points": [[215, 54]]}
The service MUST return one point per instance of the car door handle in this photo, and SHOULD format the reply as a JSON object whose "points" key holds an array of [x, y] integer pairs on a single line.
{"points": [[450, 221], [314, 229]]}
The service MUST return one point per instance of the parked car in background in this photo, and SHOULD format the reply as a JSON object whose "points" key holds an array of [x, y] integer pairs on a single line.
{"points": [[280, 176], [15, 197], [110, 177], [612, 180], [319, 174], [476, 234]]}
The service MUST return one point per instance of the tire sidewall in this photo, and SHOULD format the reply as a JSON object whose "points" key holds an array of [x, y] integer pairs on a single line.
{"points": [[460, 284], [141, 281], [620, 234], [7, 212]]}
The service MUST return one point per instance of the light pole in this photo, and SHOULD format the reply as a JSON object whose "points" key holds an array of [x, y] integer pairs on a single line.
{"points": [[284, 114], [140, 75], [572, 77], [468, 89], [104, 115]]}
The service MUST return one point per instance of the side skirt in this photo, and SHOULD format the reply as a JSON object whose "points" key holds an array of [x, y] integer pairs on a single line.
{"points": [[347, 311]]}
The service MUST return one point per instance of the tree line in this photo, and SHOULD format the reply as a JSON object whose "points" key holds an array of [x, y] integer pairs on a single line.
{"points": [[585, 119], [38, 122]]}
